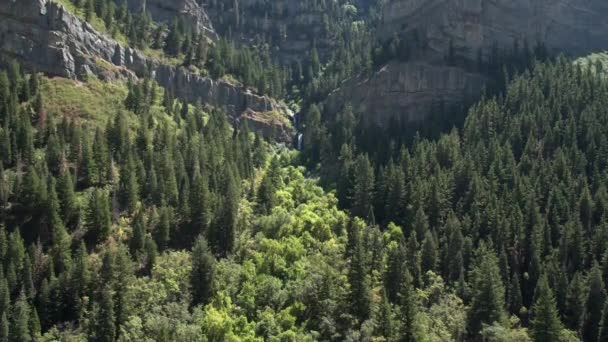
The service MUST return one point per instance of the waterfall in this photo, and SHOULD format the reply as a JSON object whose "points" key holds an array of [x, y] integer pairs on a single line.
{"points": [[300, 141]]}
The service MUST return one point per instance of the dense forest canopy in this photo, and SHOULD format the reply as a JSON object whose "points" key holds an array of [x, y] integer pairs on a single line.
{"points": [[168, 221]]}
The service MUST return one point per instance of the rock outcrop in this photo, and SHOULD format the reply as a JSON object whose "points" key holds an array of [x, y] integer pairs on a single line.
{"points": [[465, 29], [408, 92], [46, 38], [573, 27], [189, 11]]}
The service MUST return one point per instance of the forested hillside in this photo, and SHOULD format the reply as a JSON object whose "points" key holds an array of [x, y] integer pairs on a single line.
{"points": [[132, 210]]}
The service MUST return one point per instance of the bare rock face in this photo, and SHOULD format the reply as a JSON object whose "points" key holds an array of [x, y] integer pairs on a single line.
{"points": [[412, 91], [408, 92], [44, 37], [574, 27], [189, 11]]}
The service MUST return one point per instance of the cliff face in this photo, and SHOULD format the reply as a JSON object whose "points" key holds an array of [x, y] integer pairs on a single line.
{"points": [[412, 91], [44, 37], [571, 26], [407, 91], [189, 11]]}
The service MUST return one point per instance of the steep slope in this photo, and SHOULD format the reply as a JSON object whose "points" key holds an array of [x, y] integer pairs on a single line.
{"points": [[44, 37]]}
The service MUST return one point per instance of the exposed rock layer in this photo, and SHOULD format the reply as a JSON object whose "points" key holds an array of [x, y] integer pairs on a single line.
{"points": [[412, 91], [407, 91], [189, 11], [571, 26], [44, 37]]}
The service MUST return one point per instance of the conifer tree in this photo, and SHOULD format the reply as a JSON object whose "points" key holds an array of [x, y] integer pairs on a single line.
{"points": [[575, 302], [594, 305], [603, 332], [103, 328], [19, 328], [225, 228], [203, 270], [407, 309], [545, 325], [429, 256], [359, 282], [488, 293], [98, 218], [394, 272], [128, 186], [363, 189], [4, 327]]}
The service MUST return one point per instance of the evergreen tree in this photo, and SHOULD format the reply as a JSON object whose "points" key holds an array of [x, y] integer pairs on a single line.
{"points": [[103, 328], [594, 305], [203, 270], [363, 190], [394, 272], [226, 226], [4, 328], [488, 293], [98, 218], [359, 281], [19, 328], [603, 332], [407, 309], [545, 325], [429, 256]]}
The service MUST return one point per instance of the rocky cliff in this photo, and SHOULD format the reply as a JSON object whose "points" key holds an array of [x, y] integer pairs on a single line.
{"points": [[412, 91], [189, 11], [44, 37], [574, 27], [407, 91]]}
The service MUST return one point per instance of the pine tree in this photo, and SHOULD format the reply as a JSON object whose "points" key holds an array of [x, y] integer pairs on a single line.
{"points": [[394, 272], [488, 293], [515, 300], [603, 333], [429, 256], [359, 281], [4, 328], [545, 325], [98, 218], [363, 190], [384, 319], [200, 205], [575, 303], [103, 328], [128, 186], [139, 234], [225, 228], [407, 309], [203, 270], [19, 327], [60, 238], [67, 197], [594, 305]]}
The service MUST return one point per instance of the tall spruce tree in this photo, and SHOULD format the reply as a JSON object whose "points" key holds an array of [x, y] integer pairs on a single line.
{"points": [[545, 325], [203, 271]]}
